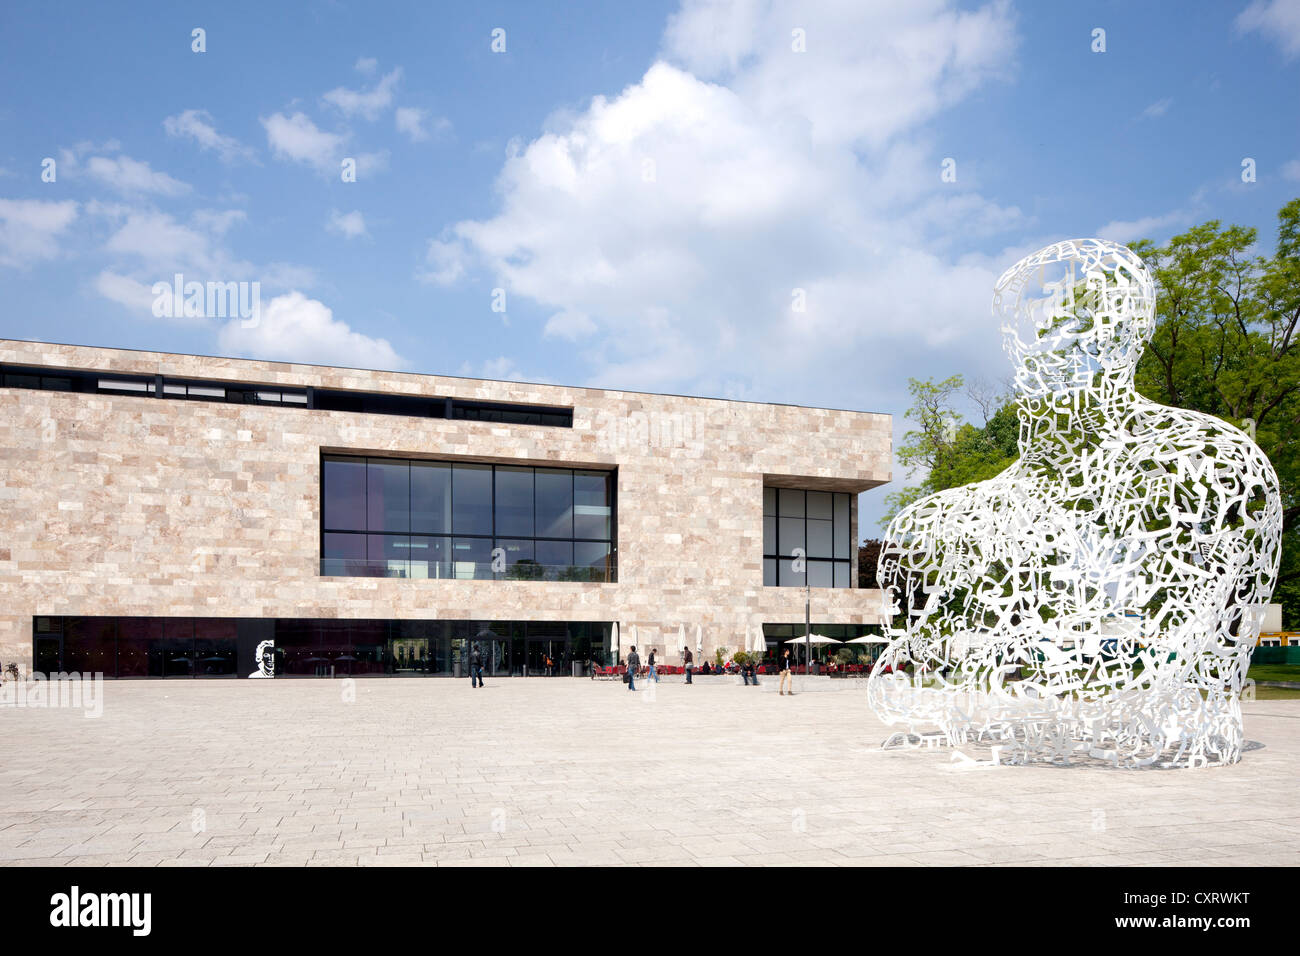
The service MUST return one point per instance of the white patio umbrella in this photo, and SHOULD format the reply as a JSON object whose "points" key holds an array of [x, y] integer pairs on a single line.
{"points": [[681, 641], [632, 643], [869, 639], [613, 641], [699, 638], [814, 639]]}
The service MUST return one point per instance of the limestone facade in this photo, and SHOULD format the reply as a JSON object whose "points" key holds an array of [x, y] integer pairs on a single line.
{"points": [[135, 505]]}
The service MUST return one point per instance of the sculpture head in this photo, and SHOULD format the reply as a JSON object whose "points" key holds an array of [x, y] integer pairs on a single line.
{"points": [[1073, 311]]}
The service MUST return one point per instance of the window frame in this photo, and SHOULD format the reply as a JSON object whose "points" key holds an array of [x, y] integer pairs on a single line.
{"points": [[774, 510], [494, 536]]}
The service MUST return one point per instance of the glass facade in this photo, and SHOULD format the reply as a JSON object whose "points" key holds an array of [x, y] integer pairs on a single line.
{"points": [[776, 635], [313, 647], [397, 517], [820, 523]]}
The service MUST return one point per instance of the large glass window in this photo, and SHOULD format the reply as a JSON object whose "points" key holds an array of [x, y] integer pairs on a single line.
{"points": [[591, 504], [390, 517], [471, 499], [514, 501], [344, 497], [430, 497], [817, 522], [388, 495], [554, 503]]}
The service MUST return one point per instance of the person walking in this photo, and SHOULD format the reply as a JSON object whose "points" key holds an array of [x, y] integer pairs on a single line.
{"points": [[785, 673], [476, 667], [633, 663], [652, 674], [690, 665]]}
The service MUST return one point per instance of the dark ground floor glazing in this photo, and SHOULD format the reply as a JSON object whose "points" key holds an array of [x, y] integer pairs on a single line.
{"points": [[313, 647], [327, 647]]}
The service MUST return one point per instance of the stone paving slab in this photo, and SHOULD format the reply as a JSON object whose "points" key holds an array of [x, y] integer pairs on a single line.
{"points": [[565, 772]]}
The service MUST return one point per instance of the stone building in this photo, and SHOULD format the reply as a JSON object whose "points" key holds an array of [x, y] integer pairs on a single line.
{"points": [[167, 515]]}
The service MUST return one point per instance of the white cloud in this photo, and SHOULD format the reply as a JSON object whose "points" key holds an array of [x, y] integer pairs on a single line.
{"points": [[368, 104], [1158, 108], [871, 71], [446, 262], [366, 64], [298, 139], [1291, 170], [131, 293], [369, 164], [294, 328], [350, 225], [569, 325], [162, 246], [690, 217], [198, 126], [219, 221], [1277, 19], [30, 230], [499, 369], [148, 246], [1148, 227], [412, 122], [133, 177]]}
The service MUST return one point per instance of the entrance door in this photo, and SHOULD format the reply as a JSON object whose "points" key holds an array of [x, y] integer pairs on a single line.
{"points": [[49, 652], [539, 652], [548, 649], [493, 642]]}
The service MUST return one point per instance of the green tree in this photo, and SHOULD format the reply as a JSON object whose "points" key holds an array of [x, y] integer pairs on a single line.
{"points": [[948, 450], [1226, 344]]}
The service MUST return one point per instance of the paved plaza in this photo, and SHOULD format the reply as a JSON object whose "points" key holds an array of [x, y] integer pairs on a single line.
{"points": [[562, 771]]}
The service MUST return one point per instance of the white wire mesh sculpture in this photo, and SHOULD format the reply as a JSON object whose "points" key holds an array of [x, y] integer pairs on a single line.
{"points": [[1101, 597]]}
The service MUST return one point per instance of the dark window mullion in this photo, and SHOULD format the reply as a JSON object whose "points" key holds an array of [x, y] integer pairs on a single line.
{"points": [[778, 520]]}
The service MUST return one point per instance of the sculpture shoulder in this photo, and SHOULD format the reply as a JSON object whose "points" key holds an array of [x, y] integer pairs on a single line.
{"points": [[964, 499], [1168, 434]]}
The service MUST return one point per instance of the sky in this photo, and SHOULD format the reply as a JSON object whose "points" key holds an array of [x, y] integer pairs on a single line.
{"points": [[805, 203]]}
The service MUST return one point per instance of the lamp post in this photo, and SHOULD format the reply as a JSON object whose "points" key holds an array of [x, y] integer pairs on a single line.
{"points": [[807, 624]]}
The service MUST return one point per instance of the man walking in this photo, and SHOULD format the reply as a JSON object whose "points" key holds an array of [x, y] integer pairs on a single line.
{"points": [[785, 673], [652, 674], [633, 663], [690, 665], [475, 668]]}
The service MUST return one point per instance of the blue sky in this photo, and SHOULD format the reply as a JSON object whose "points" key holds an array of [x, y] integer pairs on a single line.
{"points": [[652, 186]]}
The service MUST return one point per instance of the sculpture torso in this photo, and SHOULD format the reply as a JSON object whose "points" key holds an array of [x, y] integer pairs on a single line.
{"points": [[1122, 561]]}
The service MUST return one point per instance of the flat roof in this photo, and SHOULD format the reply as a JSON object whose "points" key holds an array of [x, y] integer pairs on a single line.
{"points": [[465, 378]]}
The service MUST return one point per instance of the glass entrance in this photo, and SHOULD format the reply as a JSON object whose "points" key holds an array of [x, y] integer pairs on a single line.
{"points": [[492, 638], [49, 651], [548, 649]]}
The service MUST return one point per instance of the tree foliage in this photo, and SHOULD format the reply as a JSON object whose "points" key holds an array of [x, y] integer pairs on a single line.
{"points": [[948, 450], [1227, 343]]}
